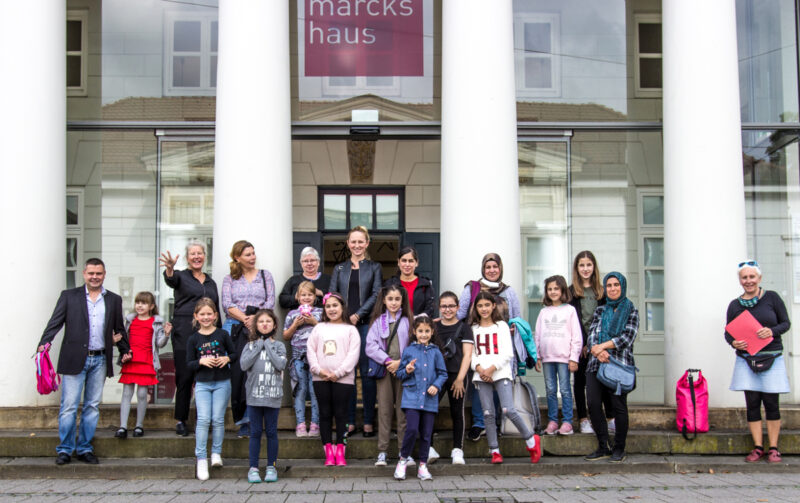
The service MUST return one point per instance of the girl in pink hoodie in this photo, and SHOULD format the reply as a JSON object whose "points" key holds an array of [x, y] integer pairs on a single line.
{"points": [[558, 342]]}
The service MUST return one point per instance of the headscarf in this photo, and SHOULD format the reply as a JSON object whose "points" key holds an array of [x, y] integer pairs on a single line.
{"points": [[616, 312], [495, 288]]}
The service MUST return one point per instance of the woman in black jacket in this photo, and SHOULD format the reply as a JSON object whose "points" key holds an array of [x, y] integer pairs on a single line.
{"points": [[358, 280], [420, 289]]}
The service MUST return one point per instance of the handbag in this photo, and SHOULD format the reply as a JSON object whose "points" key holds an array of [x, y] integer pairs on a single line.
{"points": [[618, 376], [691, 398], [47, 380], [378, 370], [760, 362]]}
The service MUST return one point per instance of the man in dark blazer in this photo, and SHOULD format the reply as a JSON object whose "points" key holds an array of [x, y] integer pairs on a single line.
{"points": [[93, 323]]}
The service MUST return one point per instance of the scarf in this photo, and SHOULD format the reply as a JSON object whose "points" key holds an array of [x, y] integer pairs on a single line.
{"points": [[616, 313]]}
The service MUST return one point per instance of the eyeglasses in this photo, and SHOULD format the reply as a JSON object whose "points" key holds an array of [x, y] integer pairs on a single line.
{"points": [[448, 306], [750, 263]]}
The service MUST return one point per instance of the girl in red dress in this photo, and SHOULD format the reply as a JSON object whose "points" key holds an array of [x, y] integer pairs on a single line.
{"points": [[146, 333]]}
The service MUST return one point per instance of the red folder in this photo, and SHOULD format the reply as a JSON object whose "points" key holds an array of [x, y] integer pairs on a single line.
{"points": [[744, 328]]}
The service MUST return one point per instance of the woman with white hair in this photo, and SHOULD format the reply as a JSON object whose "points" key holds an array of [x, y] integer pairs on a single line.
{"points": [[761, 376], [190, 285], [310, 262]]}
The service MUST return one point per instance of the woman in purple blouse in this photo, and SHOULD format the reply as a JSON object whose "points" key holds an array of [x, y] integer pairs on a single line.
{"points": [[244, 291]]}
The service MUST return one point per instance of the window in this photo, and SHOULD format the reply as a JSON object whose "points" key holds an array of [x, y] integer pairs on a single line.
{"points": [[647, 63], [538, 65], [651, 261], [77, 51], [351, 86], [74, 222], [191, 44], [377, 209]]}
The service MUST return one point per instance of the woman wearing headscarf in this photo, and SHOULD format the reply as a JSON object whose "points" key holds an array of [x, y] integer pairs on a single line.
{"points": [[764, 386], [611, 334]]}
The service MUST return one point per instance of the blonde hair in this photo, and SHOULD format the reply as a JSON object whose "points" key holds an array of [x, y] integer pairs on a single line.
{"points": [[363, 230], [308, 287], [203, 302], [238, 248]]}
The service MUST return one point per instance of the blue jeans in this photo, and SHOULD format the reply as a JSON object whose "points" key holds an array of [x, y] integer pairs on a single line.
{"points": [[266, 417], [89, 382], [211, 400], [369, 388], [557, 378], [304, 387]]}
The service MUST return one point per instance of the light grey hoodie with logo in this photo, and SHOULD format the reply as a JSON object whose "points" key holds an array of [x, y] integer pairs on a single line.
{"points": [[264, 361]]}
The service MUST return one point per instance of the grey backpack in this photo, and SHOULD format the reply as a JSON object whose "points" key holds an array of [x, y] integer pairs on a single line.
{"points": [[526, 401]]}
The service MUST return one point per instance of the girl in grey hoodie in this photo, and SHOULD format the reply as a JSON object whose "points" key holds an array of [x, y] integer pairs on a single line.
{"points": [[263, 358]]}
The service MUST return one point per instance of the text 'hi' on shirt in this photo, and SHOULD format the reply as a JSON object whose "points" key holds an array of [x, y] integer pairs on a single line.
{"points": [[216, 344], [493, 346]]}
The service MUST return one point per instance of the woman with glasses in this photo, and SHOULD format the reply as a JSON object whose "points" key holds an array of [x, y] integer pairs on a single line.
{"points": [[421, 294], [310, 262], [762, 376]]}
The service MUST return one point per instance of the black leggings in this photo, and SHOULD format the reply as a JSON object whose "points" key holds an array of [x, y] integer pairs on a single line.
{"points": [[619, 403], [456, 410], [579, 393], [333, 399], [754, 399]]}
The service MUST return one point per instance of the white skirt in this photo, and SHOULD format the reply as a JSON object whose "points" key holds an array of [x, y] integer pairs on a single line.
{"points": [[773, 380]]}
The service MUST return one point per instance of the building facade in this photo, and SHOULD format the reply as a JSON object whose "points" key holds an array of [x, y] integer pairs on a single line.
{"points": [[661, 137]]}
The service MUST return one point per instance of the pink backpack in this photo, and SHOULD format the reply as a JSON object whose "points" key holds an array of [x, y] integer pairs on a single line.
{"points": [[47, 380], [691, 397]]}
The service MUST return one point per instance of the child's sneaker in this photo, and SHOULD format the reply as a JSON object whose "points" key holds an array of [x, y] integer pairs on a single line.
{"points": [[552, 428], [432, 455], [400, 470], [271, 475], [497, 458], [202, 469], [253, 476], [423, 473], [586, 427], [566, 429], [300, 430], [458, 456], [381, 459], [216, 459], [313, 430], [536, 450]]}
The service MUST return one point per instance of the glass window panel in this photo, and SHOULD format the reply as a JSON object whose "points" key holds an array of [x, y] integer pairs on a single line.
{"points": [[653, 210], [187, 36], [72, 210], [186, 71], [342, 81], [654, 284], [650, 38], [73, 71], [214, 36], [71, 282], [655, 316], [388, 212], [361, 211], [538, 73], [654, 252], [537, 38], [74, 35], [72, 252], [650, 73], [380, 81], [213, 70], [334, 211]]}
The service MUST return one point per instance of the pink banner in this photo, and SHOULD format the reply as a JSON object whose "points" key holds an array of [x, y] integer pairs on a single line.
{"points": [[375, 38]]}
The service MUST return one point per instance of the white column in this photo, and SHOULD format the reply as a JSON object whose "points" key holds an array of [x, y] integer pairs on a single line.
{"points": [[253, 171], [480, 187], [32, 192], [704, 212]]}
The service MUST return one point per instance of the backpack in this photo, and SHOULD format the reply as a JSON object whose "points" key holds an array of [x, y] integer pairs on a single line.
{"points": [[691, 397], [47, 380], [526, 401]]}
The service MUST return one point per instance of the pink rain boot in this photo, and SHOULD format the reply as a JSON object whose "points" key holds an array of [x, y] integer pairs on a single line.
{"points": [[329, 455], [340, 455]]}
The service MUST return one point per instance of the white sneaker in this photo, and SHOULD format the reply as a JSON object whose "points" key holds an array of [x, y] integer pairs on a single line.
{"points": [[216, 459], [202, 469], [458, 456], [423, 473], [586, 427], [612, 426], [381, 459], [400, 470], [410, 461], [432, 455]]}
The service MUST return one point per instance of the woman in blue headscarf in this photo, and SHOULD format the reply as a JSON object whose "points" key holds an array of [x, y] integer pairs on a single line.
{"points": [[611, 334]]}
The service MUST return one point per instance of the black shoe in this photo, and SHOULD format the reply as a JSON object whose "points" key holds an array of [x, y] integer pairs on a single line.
{"points": [[89, 457], [121, 433], [617, 457], [475, 433], [138, 432], [349, 433], [598, 455], [368, 434], [63, 458], [180, 429]]}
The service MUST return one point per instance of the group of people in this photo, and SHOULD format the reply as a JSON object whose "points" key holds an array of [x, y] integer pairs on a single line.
{"points": [[388, 333]]}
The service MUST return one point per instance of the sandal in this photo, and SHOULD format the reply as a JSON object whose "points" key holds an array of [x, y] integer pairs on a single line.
{"points": [[138, 431], [756, 454], [121, 433], [774, 456]]}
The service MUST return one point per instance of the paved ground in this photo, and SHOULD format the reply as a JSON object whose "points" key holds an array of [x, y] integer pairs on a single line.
{"points": [[729, 487]]}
